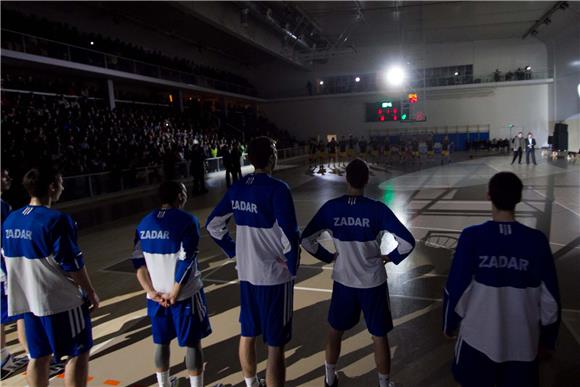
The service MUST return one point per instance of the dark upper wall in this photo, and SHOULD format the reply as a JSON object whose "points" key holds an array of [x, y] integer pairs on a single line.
{"points": [[90, 18]]}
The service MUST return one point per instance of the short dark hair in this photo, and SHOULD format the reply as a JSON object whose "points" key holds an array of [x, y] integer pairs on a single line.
{"points": [[260, 150], [505, 190], [357, 173], [37, 181], [169, 191]]}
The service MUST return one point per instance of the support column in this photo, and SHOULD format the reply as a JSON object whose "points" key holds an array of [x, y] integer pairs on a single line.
{"points": [[180, 100], [111, 94]]}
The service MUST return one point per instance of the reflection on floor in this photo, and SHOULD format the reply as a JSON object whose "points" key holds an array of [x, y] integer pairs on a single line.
{"points": [[436, 203]]}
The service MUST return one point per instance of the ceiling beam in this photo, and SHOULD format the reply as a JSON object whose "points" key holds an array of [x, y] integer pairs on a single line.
{"points": [[545, 18]]}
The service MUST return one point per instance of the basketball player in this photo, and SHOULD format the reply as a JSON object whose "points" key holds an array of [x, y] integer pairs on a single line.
{"points": [[332, 147], [502, 295], [366, 235], [43, 258], [267, 254], [342, 150], [9, 361], [165, 256]]}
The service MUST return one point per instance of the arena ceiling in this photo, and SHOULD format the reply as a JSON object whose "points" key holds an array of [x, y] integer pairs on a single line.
{"points": [[308, 30], [343, 26]]}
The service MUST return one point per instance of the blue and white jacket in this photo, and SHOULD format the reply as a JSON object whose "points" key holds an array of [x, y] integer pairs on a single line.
{"points": [[166, 241], [40, 246], [362, 231], [502, 291], [267, 237]]}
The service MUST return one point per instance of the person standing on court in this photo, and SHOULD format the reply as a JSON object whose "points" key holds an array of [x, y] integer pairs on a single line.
{"points": [[236, 160], [9, 361], [366, 235], [502, 296], [198, 169], [267, 255], [48, 281], [519, 144], [531, 148], [165, 256]]}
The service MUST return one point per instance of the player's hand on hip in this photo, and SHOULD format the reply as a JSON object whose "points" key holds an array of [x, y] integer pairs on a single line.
{"points": [[544, 353], [282, 262]]}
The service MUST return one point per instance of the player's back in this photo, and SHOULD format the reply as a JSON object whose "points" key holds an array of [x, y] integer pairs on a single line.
{"points": [[165, 236], [357, 225], [508, 297], [258, 203], [39, 246]]}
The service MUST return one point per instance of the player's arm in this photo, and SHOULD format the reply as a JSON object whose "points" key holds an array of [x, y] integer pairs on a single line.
{"points": [[217, 226], [286, 218], [550, 306], [459, 279], [68, 255], [138, 260], [310, 235], [187, 260], [395, 240]]}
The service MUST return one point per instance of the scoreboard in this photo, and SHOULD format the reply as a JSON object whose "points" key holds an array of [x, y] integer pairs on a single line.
{"points": [[384, 111], [403, 110]]}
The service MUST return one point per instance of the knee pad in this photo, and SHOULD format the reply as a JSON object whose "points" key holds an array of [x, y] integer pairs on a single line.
{"points": [[162, 356], [194, 358]]}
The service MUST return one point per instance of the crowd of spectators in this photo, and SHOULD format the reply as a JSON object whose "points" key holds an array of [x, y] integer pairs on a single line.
{"points": [[82, 135], [117, 52], [520, 74], [57, 85]]}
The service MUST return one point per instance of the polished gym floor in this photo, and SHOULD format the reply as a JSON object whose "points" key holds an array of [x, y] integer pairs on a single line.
{"points": [[435, 201]]}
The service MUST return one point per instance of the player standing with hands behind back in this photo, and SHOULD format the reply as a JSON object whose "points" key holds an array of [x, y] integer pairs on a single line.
{"points": [[165, 256], [267, 254]]}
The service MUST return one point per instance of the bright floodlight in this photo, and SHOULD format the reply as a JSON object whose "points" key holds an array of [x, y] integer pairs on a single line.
{"points": [[357, 79], [395, 76], [528, 68], [321, 83], [92, 43], [456, 73], [579, 90]]}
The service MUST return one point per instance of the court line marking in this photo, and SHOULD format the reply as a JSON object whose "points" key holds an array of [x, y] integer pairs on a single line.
{"points": [[557, 203], [571, 310], [574, 333], [544, 196], [320, 290]]}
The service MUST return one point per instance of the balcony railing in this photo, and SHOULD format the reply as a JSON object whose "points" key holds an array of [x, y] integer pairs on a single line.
{"points": [[374, 83], [95, 184], [17, 41]]}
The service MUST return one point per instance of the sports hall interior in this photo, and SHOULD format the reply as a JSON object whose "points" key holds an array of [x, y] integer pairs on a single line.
{"points": [[471, 74]]}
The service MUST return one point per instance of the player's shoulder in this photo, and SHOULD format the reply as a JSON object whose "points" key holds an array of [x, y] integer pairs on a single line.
{"points": [[184, 216], [531, 234], [481, 228], [48, 216], [6, 208], [277, 183], [376, 205]]}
